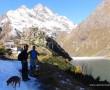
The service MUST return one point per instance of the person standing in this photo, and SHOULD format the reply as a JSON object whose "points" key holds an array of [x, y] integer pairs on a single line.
{"points": [[24, 63], [33, 58]]}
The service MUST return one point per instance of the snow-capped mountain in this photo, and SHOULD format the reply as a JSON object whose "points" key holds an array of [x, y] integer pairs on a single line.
{"points": [[39, 16]]}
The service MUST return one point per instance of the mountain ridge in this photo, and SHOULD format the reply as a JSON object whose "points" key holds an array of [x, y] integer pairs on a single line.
{"points": [[40, 16], [91, 37]]}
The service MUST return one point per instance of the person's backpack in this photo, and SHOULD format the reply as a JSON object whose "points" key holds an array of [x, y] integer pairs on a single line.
{"points": [[20, 56]]}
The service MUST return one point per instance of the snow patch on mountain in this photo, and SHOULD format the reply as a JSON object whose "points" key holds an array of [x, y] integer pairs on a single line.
{"points": [[40, 16]]}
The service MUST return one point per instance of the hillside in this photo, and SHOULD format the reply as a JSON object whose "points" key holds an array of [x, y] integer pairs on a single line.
{"points": [[91, 37]]}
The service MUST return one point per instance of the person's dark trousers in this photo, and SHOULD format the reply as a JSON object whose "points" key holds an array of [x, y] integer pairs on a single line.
{"points": [[33, 67], [24, 70]]}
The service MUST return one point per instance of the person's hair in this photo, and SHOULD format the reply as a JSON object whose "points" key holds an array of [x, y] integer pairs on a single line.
{"points": [[34, 47], [25, 46]]}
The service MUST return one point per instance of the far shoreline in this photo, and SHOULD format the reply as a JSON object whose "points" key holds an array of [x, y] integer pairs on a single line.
{"points": [[91, 58]]}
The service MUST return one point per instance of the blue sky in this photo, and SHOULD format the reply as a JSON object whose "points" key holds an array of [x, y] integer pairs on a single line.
{"points": [[75, 10]]}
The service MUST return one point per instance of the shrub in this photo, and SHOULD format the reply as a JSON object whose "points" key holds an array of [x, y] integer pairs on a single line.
{"points": [[9, 51], [2, 51]]}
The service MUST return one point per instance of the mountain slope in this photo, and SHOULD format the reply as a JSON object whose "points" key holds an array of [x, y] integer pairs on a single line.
{"points": [[39, 16], [91, 37]]}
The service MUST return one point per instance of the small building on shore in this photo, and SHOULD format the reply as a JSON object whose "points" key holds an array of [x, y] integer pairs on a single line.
{"points": [[9, 44]]}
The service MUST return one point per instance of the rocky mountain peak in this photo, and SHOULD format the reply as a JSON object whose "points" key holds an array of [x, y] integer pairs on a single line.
{"points": [[40, 17], [39, 7], [23, 7]]}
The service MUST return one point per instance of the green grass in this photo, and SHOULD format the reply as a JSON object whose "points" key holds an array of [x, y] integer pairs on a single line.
{"points": [[60, 62], [2, 51]]}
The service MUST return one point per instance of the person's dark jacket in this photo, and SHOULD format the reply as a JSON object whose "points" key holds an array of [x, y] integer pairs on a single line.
{"points": [[24, 55]]}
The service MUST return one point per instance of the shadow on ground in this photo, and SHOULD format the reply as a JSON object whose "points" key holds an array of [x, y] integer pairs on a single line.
{"points": [[53, 78]]}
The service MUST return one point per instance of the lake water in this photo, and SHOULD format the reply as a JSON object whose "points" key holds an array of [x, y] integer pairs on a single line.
{"points": [[95, 66]]}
